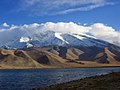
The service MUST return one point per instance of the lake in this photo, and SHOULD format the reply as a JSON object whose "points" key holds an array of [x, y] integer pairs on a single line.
{"points": [[35, 78]]}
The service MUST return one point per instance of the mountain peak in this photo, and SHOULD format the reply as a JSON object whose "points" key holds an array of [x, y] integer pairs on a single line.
{"points": [[47, 38]]}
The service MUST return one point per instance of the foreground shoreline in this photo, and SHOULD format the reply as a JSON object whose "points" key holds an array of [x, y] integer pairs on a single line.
{"points": [[56, 67], [103, 82], [17, 68]]}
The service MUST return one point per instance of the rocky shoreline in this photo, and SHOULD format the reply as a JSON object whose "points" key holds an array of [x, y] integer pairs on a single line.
{"points": [[104, 82]]}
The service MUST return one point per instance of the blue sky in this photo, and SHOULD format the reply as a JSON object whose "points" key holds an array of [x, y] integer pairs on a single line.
{"points": [[79, 11]]}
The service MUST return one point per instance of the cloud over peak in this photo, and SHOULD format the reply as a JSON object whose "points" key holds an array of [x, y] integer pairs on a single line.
{"points": [[98, 30], [54, 7]]}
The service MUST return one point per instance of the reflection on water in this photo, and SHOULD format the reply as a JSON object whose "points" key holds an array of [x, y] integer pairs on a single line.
{"points": [[34, 78]]}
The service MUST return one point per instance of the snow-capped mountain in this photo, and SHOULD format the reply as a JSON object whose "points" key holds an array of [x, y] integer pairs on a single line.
{"points": [[56, 49], [40, 38]]}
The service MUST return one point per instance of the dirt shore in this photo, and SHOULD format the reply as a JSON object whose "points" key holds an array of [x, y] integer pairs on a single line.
{"points": [[104, 82]]}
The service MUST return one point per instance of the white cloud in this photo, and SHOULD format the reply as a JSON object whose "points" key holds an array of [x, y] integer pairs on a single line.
{"points": [[53, 7], [85, 8], [98, 30], [5, 25], [105, 32], [65, 27]]}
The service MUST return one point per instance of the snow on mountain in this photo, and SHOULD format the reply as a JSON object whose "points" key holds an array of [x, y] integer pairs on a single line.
{"points": [[24, 39], [46, 38], [59, 36]]}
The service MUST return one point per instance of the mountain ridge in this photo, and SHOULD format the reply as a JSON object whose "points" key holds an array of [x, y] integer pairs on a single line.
{"points": [[59, 57], [48, 38], [48, 49]]}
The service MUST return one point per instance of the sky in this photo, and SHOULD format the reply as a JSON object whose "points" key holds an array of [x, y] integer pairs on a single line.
{"points": [[98, 18], [84, 12]]}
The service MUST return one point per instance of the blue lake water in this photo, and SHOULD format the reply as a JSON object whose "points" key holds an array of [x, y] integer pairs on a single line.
{"points": [[35, 78]]}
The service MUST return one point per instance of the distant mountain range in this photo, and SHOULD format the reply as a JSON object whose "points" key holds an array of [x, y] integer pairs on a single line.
{"points": [[48, 49], [27, 39]]}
